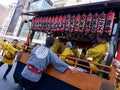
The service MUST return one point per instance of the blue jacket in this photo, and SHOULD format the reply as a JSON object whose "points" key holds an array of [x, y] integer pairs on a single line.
{"points": [[40, 58]]}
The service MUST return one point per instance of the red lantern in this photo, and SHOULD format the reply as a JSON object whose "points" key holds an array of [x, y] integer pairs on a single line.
{"points": [[77, 22], [118, 53], [88, 23], [109, 22], [95, 23], [82, 22], [101, 23]]}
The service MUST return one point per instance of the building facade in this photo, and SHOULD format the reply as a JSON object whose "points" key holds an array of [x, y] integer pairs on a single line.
{"points": [[24, 29], [8, 19], [3, 15]]}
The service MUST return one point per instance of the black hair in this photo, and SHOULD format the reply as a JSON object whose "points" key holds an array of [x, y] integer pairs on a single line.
{"points": [[49, 41], [61, 39], [15, 40], [4, 40], [104, 37]]}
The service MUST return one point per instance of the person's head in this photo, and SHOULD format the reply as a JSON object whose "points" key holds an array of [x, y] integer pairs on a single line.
{"points": [[61, 39], [4, 40], [14, 42], [49, 41], [102, 39], [57, 39]]}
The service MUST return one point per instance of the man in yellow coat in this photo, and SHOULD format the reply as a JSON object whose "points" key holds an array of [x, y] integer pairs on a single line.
{"points": [[10, 51], [67, 52], [97, 52]]}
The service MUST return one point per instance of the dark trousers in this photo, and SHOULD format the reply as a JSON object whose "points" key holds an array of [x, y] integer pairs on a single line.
{"points": [[8, 69], [28, 85]]}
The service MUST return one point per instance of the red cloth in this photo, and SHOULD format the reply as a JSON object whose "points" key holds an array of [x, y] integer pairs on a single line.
{"points": [[118, 53], [33, 69], [27, 40]]}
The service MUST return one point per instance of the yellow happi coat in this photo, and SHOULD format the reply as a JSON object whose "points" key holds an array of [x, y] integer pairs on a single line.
{"points": [[9, 52], [67, 52], [58, 47], [97, 53]]}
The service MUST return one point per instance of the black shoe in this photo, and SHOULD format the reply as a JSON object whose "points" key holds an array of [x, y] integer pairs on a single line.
{"points": [[4, 78]]}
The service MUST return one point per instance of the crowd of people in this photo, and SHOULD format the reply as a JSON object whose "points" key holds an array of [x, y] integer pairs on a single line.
{"points": [[55, 52], [33, 71], [8, 54], [95, 54]]}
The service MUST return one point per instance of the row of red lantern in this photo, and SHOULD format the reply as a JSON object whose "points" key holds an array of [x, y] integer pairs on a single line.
{"points": [[96, 23]]}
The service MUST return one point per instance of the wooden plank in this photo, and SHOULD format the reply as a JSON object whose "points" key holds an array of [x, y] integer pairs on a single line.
{"points": [[80, 80]]}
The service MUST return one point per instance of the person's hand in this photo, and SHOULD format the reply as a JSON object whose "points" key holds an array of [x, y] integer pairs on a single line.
{"points": [[90, 59], [73, 69]]}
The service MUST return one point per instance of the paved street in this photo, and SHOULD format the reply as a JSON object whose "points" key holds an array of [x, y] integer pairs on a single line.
{"points": [[9, 83]]}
